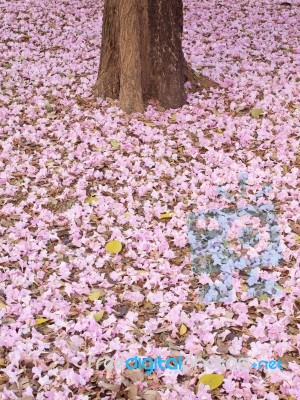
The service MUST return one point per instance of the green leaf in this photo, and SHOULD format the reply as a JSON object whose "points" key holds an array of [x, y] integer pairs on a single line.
{"points": [[257, 112], [212, 380]]}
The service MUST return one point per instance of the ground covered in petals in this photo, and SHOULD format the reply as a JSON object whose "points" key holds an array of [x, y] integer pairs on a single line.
{"points": [[77, 173]]}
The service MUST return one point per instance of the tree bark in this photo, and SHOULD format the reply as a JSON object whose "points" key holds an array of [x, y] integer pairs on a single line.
{"points": [[108, 81], [141, 54], [166, 28], [131, 96]]}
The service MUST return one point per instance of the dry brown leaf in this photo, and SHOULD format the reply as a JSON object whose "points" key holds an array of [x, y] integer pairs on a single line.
{"points": [[109, 386], [200, 307], [223, 348], [295, 227], [3, 379], [150, 395], [147, 304], [121, 311], [134, 375], [132, 392], [162, 330], [288, 358]]}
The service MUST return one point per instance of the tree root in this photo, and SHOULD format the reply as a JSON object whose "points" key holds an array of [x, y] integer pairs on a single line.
{"points": [[198, 81]]}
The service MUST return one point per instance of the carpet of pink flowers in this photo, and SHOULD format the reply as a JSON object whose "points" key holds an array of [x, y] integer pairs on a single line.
{"points": [[76, 172]]}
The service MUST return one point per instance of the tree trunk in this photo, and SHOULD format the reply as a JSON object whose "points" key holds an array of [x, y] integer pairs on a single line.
{"points": [[141, 54], [108, 81]]}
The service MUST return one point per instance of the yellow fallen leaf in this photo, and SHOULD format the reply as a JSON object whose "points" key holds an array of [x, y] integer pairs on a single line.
{"points": [[94, 218], [127, 215], [115, 144], [297, 238], [2, 305], [94, 296], [166, 215], [212, 380], [98, 316], [183, 329], [257, 112], [263, 297], [113, 247], [147, 304], [173, 118], [49, 163], [287, 290], [40, 321], [200, 307], [279, 287], [286, 168], [244, 288], [91, 199]]}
